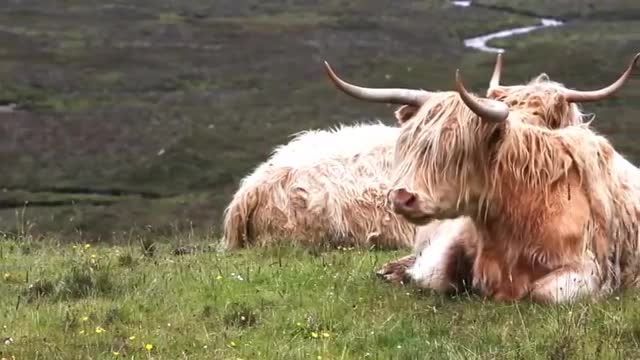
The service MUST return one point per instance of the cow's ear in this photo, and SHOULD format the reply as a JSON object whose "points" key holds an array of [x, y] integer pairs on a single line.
{"points": [[496, 93], [404, 113]]}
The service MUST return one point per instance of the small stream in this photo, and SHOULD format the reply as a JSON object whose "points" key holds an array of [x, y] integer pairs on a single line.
{"points": [[480, 42]]}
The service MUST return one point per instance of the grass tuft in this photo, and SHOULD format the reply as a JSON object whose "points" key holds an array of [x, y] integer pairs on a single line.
{"points": [[83, 280], [148, 247], [240, 315], [39, 289]]}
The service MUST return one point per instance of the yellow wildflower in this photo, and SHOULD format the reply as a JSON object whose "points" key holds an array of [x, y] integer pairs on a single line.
{"points": [[86, 246], [232, 344], [93, 256], [324, 334], [132, 337], [116, 353], [219, 277], [148, 347], [84, 318], [314, 334], [99, 330], [81, 332]]}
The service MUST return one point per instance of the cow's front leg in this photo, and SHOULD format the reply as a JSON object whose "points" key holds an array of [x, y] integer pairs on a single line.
{"points": [[445, 265]]}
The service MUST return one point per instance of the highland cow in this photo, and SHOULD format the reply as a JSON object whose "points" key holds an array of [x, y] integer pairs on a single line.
{"points": [[555, 211], [545, 102], [439, 267], [324, 188]]}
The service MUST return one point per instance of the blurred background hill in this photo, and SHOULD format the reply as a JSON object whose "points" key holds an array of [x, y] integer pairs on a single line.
{"points": [[143, 115]]}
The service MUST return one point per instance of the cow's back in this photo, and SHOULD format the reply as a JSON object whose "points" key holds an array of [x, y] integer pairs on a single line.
{"points": [[324, 186]]}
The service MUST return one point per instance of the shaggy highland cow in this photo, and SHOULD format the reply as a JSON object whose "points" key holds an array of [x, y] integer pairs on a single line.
{"points": [[324, 188], [547, 105], [444, 262], [555, 211]]}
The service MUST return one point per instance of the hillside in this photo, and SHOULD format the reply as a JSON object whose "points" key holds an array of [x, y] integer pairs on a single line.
{"points": [[143, 116]]}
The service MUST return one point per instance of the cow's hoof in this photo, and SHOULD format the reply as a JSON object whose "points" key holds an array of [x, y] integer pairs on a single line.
{"points": [[396, 271]]}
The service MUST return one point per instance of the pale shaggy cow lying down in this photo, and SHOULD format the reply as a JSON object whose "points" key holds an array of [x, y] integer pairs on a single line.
{"points": [[325, 187]]}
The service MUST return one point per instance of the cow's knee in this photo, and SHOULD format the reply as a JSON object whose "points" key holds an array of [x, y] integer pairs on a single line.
{"points": [[434, 267]]}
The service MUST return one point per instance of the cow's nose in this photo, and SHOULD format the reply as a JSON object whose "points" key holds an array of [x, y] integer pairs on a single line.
{"points": [[402, 200]]}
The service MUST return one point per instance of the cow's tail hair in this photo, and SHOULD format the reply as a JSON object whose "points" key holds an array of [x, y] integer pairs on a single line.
{"points": [[237, 227]]}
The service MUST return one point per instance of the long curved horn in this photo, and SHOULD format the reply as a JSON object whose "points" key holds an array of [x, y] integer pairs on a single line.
{"points": [[595, 95], [497, 71], [491, 110], [389, 95]]}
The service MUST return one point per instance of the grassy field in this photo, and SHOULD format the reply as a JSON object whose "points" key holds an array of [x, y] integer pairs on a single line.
{"points": [[135, 121], [143, 116], [141, 300]]}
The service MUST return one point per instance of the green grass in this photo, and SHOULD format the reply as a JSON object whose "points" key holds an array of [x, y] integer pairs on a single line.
{"points": [[72, 301]]}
